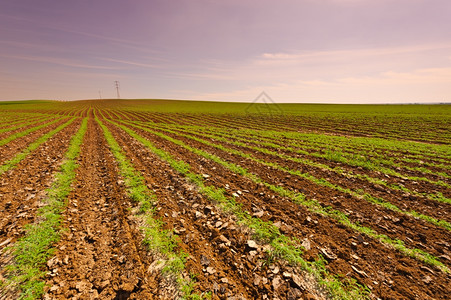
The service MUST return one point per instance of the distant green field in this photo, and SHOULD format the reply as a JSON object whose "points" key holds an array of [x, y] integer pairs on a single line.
{"points": [[156, 105], [186, 106], [368, 179], [25, 102]]}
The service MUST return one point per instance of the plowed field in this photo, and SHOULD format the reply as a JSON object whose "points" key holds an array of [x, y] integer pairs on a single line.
{"points": [[164, 200]]}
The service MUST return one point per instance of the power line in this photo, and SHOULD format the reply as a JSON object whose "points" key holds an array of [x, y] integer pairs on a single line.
{"points": [[116, 83]]}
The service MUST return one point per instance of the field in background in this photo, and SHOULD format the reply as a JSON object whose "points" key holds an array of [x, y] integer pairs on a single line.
{"points": [[163, 198]]}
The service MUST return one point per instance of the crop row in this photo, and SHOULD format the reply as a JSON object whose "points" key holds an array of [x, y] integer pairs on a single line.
{"points": [[274, 148], [305, 157], [33, 250], [383, 146], [300, 199], [316, 180], [27, 131], [158, 240], [344, 210], [265, 232], [350, 148], [342, 217], [367, 147], [15, 121], [403, 127], [6, 166]]}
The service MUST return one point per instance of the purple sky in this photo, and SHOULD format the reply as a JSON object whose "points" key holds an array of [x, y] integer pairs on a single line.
{"points": [[353, 51]]}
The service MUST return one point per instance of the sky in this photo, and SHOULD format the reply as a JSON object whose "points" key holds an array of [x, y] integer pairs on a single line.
{"points": [[306, 51]]}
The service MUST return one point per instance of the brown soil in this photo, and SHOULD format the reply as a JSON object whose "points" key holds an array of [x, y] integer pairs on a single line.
{"points": [[382, 267], [406, 172], [416, 234], [23, 188], [101, 254], [8, 127], [374, 189], [259, 124], [22, 191], [217, 246], [10, 149]]}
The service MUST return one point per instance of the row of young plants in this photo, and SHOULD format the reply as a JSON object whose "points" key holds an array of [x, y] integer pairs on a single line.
{"points": [[17, 123], [273, 139], [372, 155], [194, 119], [343, 124], [318, 146], [32, 251], [399, 126], [11, 116], [10, 164], [226, 121], [376, 152], [326, 183], [368, 159], [314, 141], [84, 111], [282, 246], [243, 142], [112, 113], [123, 114], [335, 150], [318, 181], [106, 113], [69, 112], [356, 154], [63, 109], [161, 242], [74, 113], [356, 158], [25, 132], [436, 197], [380, 163], [139, 115], [22, 122], [311, 204]]}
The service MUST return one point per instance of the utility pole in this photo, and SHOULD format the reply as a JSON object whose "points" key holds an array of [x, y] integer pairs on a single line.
{"points": [[116, 84]]}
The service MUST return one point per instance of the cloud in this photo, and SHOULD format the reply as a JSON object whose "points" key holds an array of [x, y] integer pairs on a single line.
{"points": [[422, 85], [417, 77], [379, 75], [132, 63], [58, 61], [64, 29], [324, 63], [120, 42], [29, 46], [348, 53]]}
